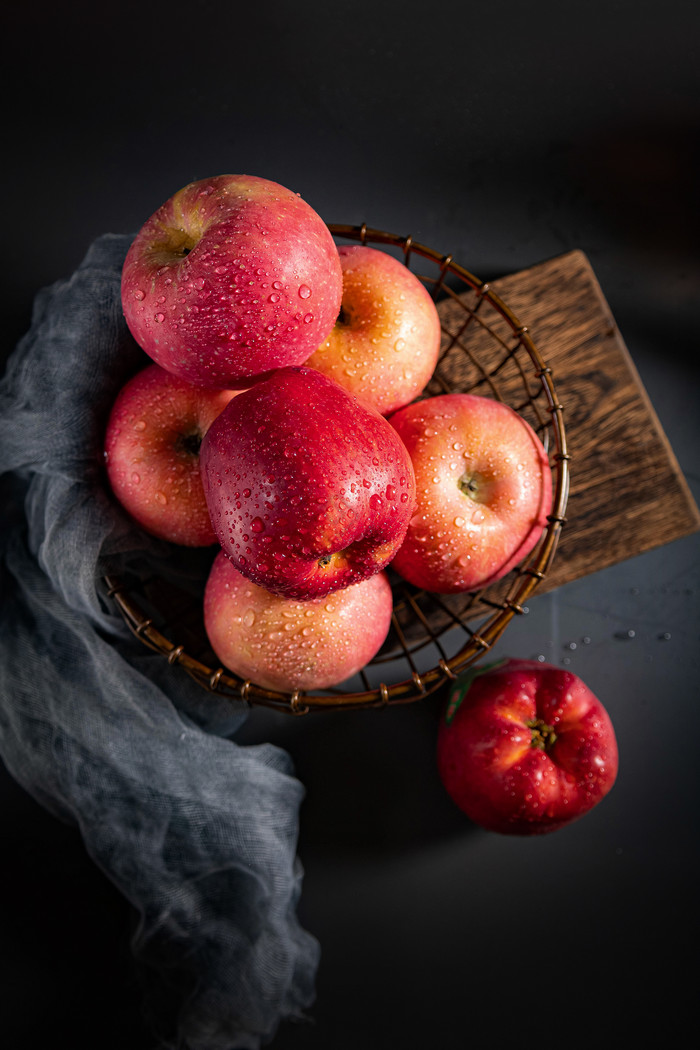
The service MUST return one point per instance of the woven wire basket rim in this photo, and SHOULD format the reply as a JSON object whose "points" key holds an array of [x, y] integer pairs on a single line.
{"points": [[528, 576]]}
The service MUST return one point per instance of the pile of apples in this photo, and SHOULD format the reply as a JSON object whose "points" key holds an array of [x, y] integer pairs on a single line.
{"points": [[282, 419]]}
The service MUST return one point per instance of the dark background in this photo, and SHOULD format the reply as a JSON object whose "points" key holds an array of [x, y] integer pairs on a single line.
{"points": [[506, 134]]}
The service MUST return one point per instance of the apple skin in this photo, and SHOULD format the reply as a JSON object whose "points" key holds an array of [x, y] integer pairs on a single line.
{"points": [[231, 277], [152, 442], [308, 489], [483, 491], [385, 344], [283, 644], [529, 750]]}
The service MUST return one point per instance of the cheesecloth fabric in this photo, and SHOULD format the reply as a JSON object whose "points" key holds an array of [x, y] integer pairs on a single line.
{"points": [[197, 832]]}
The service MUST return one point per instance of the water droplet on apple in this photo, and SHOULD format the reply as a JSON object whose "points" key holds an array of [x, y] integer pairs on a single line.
{"points": [[308, 318], [138, 294], [140, 424], [459, 521], [249, 617], [199, 283], [390, 492], [161, 498], [277, 284], [257, 525], [375, 501], [274, 298], [135, 478], [399, 345], [304, 291], [159, 318]]}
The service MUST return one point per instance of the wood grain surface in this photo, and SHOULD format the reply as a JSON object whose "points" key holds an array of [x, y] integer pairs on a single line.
{"points": [[627, 493]]}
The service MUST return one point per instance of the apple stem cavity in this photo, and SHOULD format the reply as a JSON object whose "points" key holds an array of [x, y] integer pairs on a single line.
{"points": [[543, 735], [469, 485], [190, 444]]}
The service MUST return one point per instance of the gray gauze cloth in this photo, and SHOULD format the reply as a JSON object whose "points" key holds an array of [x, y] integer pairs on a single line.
{"points": [[198, 832]]}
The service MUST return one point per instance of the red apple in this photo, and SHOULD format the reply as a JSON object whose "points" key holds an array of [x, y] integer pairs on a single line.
{"points": [[483, 491], [385, 343], [309, 489], [529, 749], [284, 644], [231, 277], [152, 445]]}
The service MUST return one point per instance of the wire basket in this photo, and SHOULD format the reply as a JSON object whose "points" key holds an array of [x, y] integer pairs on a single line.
{"points": [[485, 349]]}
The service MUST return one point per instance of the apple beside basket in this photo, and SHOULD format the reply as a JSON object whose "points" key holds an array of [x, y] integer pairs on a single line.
{"points": [[486, 350]]}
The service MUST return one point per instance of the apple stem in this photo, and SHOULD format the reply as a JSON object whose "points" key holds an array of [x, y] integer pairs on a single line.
{"points": [[543, 735]]}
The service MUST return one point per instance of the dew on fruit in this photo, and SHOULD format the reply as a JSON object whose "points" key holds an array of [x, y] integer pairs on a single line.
{"points": [[375, 501], [308, 318], [161, 498], [140, 424], [460, 521], [140, 295], [273, 297], [135, 478], [390, 492], [399, 345], [257, 525], [249, 617], [304, 291]]}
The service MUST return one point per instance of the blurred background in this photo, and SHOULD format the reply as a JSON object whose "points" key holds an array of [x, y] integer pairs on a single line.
{"points": [[505, 134]]}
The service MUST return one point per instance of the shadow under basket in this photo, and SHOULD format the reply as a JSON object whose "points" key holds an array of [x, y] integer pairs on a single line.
{"points": [[485, 350]]}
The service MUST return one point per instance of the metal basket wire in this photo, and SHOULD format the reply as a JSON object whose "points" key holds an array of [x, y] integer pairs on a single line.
{"points": [[485, 349]]}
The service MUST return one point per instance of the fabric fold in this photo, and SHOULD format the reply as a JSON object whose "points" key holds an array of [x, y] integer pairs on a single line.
{"points": [[196, 831]]}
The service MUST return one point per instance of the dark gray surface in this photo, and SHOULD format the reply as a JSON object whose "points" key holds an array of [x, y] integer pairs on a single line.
{"points": [[505, 135]]}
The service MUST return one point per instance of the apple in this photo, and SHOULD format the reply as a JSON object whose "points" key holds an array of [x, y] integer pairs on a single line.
{"points": [[308, 489], [528, 749], [385, 344], [233, 276], [154, 432], [483, 491], [283, 644]]}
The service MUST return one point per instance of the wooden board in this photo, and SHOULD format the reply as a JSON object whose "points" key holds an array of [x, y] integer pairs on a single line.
{"points": [[627, 494]]}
